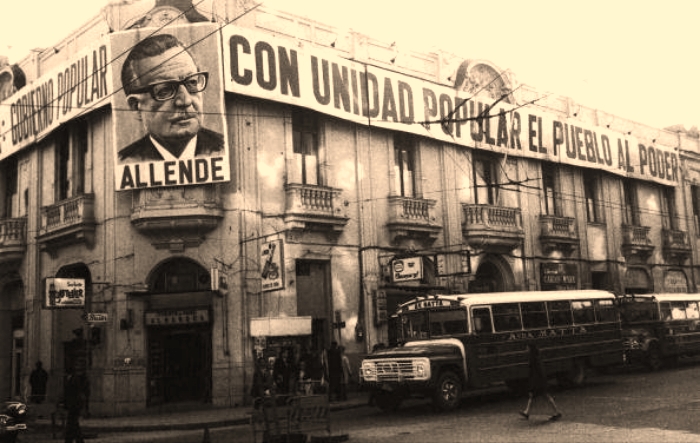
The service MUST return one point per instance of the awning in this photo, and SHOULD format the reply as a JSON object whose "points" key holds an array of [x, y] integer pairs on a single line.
{"points": [[280, 326]]}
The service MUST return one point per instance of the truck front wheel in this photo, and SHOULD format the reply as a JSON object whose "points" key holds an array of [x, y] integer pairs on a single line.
{"points": [[448, 392]]}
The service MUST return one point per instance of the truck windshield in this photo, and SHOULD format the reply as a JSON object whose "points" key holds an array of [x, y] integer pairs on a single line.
{"points": [[414, 325], [438, 323]]}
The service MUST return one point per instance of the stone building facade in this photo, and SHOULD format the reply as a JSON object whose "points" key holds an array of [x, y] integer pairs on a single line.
{"points": [[353, 176]]}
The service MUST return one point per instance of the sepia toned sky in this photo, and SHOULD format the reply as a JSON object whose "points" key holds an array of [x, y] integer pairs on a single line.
{"points": [[636, 59]]}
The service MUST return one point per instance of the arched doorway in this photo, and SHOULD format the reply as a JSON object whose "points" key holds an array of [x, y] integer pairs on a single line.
{"points": [[492, 275], [77, 354], [179, 333]]}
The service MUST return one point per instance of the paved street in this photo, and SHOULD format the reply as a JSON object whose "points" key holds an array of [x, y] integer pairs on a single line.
{"points": [[635, 406]]}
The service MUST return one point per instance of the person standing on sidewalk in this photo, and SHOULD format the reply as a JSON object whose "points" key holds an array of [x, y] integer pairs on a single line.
{"points": [[38, 380], [74, 392], [335, 373], [538, 384]]}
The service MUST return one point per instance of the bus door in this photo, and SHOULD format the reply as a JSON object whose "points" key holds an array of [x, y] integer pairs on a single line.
{"points": [[482, 356]]}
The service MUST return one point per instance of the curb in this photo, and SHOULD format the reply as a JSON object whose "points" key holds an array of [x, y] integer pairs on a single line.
{"points": [[44, 426]]}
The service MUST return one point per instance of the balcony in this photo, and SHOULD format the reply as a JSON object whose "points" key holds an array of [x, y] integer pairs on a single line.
{"points": [[316, 208], [636, 242], [676, 245], [414, 218], [67, 222], [558, 234], [487, 227], [13, 241], [177, 217]]}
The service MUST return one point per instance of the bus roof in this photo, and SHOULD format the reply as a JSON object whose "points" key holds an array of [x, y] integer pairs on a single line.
{"points": [[512, 297], [679, 296]]}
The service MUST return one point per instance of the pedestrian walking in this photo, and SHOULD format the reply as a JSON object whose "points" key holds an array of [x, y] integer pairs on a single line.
{"points": [[335, 372], [538, 384], [74, 400], [347, 373], [38, 380]]}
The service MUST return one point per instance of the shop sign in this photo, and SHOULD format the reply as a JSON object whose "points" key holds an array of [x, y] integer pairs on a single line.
{"points": [[177, 317], [407, 269], [271, 259], [96, 317], [61, 293], [558, 274], [676, 282]]}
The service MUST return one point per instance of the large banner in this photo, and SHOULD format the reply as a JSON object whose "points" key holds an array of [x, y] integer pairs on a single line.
{"points": [[78, 86], [273, 68], [168, 107]]}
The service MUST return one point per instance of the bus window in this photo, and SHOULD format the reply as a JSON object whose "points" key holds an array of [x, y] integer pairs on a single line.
{"points": [[665, 311], [605, 311], [534, 315], [678, 310], [692, 310], [506, 317], [583, 312], [559, 313], [639, 311], [448, 322], [482, 320]]}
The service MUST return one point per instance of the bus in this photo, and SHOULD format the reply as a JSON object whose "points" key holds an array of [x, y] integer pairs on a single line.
{"points": [[449, 344], [657, 329]]}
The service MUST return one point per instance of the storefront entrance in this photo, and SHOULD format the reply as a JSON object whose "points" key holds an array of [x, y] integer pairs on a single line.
{"points": [[179, 364], [178, 321]]}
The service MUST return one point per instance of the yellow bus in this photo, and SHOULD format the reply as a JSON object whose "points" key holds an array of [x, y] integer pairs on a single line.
{"points": [[449, 344], [657, 329]]}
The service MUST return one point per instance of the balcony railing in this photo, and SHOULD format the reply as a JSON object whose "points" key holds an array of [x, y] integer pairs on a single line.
{"points": [[558, 233], [487, 226], [68, 221], [411, 217], [176, 217], [636, 241], [676, 244], [314, 207], [13, 240]]}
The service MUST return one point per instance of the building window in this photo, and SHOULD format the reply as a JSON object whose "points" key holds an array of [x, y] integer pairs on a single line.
{"points": [[485, 180], [71, 155], [592, 193], [306, 140], [669, 215], [405, 165], [695, 195], [550, 186], [9, 176], [631, 203]]}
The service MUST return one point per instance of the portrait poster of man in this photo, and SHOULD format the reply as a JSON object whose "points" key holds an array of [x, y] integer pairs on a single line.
{"points": [[169, 125]]}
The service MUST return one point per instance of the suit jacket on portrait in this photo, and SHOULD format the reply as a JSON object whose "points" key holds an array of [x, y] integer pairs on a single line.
{"points": [[208, 143]]}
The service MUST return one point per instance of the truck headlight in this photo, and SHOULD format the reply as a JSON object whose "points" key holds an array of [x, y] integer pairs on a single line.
{"points": [[369, 371]]}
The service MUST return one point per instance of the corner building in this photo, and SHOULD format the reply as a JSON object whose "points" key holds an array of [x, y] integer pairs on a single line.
{"points": [[354, 175]]}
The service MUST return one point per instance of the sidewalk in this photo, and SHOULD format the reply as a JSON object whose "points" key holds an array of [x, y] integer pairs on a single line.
{"points": [[207, 417]]}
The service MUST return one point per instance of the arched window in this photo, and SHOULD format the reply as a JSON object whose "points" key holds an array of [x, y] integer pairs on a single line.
{"points": [[180, 275]]}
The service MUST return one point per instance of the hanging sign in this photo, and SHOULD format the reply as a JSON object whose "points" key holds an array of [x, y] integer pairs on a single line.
{"points": [[272, 266], [407, 269], [64, 293]]}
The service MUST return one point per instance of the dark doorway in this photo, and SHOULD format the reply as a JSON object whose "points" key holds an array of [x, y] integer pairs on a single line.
{"points": [[179, 364], [314, 299], [488, 279]]}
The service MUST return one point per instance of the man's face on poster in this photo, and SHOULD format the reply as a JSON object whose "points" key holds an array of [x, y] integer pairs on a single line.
{"points": [[172, 121]]}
